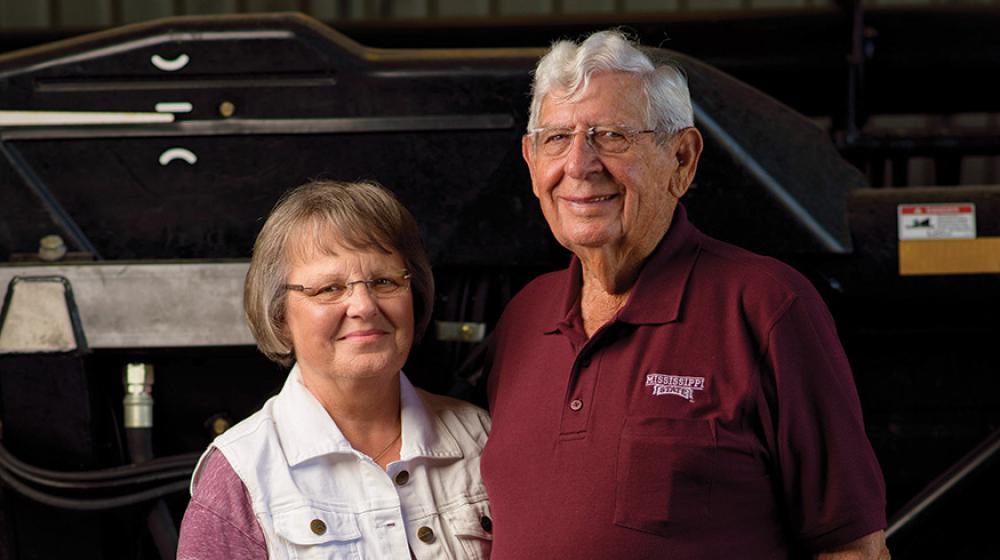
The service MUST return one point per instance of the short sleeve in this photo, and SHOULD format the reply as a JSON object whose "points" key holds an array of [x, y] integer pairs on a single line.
{"points": [[219, 520], [832, 484]]}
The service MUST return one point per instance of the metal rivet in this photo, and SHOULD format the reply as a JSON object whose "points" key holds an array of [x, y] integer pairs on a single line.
{"points": [[425, 534], [227, 109], [317, 526], [402, 478], [220, 425], [467, 331]]}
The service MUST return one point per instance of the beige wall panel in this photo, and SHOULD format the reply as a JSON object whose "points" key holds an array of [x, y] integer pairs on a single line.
{"points": [[323, 10], [920, 171], [589, 7], [18, 13], [710, 5], [272, 5], [898, 122], [526, 7], [409, 8], [899, 2], [84, 13], [768, 4], [971, 120], [143, 10], [460, 8], [978, 170], [198, 7], [651, 5]]}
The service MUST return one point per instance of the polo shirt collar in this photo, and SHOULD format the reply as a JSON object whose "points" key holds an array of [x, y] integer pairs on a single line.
{"points": [[307, 431], [659, 290]]}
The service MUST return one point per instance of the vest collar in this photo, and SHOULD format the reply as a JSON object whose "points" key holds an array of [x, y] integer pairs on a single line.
{"points": [[307, 431]]}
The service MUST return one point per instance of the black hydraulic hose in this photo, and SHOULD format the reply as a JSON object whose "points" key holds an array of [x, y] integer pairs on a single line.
{"points": [[159, 522], [167, 475], [138, 420], [94, 504], [176, 466]]}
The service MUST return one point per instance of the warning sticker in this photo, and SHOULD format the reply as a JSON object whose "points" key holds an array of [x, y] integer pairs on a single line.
{"points": [[937, 221]]}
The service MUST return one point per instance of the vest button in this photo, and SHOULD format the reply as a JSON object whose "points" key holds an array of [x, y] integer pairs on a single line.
{"points": [[402, 477], [486, 523], [317, 526], [425, 534]]}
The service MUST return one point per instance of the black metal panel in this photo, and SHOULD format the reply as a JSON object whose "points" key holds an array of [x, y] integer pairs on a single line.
{"points": [[439, 127]]}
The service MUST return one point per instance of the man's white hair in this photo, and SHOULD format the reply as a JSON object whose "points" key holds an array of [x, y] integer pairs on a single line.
{"points": [[565, 71]]}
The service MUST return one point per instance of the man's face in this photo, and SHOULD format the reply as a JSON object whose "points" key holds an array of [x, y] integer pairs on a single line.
{"points": [[621, 202]]}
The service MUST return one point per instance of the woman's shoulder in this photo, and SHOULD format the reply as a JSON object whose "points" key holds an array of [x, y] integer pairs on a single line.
{"points": [[219, 521], [215, 479], [449, 409]]}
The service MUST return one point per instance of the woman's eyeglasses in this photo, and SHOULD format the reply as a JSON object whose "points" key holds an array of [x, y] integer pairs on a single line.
{"points": [[385, 286]]}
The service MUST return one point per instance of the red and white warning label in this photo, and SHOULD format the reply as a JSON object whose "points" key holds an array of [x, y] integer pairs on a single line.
{"points": [[937, 221]]}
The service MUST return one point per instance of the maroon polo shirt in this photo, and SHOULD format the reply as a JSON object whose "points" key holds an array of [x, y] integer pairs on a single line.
{"points": [[714, 417]]}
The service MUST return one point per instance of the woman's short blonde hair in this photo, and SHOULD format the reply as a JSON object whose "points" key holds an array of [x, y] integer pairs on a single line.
{"points": [[323, 216]]}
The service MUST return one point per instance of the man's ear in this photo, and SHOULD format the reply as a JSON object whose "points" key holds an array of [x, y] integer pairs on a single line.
{"points": [[528, 153], [687, 147]]}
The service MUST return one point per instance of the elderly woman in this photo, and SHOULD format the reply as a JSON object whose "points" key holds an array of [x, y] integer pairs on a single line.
{"points": [[349, 460]]}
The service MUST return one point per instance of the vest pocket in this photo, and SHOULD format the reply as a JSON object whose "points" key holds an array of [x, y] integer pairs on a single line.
{"points": [[664, 474], [309, 532], [472, 525]]}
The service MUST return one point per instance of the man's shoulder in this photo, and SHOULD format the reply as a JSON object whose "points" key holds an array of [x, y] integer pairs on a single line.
{"points": [[747, 270], [541, 292]]}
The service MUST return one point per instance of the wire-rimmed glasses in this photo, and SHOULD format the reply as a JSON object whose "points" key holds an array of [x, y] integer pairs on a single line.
{"points": [[604, 139], [384, 286]]}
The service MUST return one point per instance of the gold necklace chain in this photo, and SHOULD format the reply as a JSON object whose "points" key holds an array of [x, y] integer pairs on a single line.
{"points": [[386, 448]]}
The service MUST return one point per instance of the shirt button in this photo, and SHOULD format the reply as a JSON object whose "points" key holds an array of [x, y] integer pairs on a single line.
{"points": [[425, 534], [576, 404], [317, 526], [402, 477], [486, 523]]}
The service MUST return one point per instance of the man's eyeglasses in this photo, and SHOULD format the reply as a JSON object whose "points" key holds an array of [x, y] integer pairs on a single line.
{"points": [[386, 286], [604, 139]]}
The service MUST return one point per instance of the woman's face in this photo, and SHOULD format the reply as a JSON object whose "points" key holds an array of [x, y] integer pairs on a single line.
{"points": [[361, 336]]}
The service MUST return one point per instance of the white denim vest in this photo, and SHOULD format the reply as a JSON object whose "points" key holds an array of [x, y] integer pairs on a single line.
{"points": [[316, 497]]}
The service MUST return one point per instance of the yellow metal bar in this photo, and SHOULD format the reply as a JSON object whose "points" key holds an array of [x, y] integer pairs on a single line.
{"points": [[949, 256]]}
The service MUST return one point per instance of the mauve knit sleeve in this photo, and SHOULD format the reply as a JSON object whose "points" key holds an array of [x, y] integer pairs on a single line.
{"points": [[219, 520]]}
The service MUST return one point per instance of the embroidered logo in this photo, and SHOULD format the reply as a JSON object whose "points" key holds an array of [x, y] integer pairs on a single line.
{"points": [[681, 385]]}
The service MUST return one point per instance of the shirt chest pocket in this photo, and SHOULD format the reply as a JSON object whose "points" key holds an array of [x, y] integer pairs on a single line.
{"points": [[308, 532], [472, 526], [665, 471]]}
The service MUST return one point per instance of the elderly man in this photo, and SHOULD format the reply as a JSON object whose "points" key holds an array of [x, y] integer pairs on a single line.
{"points": [[668, 395]]}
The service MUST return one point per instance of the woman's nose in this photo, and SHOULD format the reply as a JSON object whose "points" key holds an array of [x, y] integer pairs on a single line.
{"points": [[360, 301]]}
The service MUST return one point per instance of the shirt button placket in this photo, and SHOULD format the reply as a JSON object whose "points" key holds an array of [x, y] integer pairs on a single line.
{"points": [[574, 420]]}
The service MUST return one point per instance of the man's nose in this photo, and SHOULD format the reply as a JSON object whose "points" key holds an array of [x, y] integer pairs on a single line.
{"points": [[582, 158]]}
